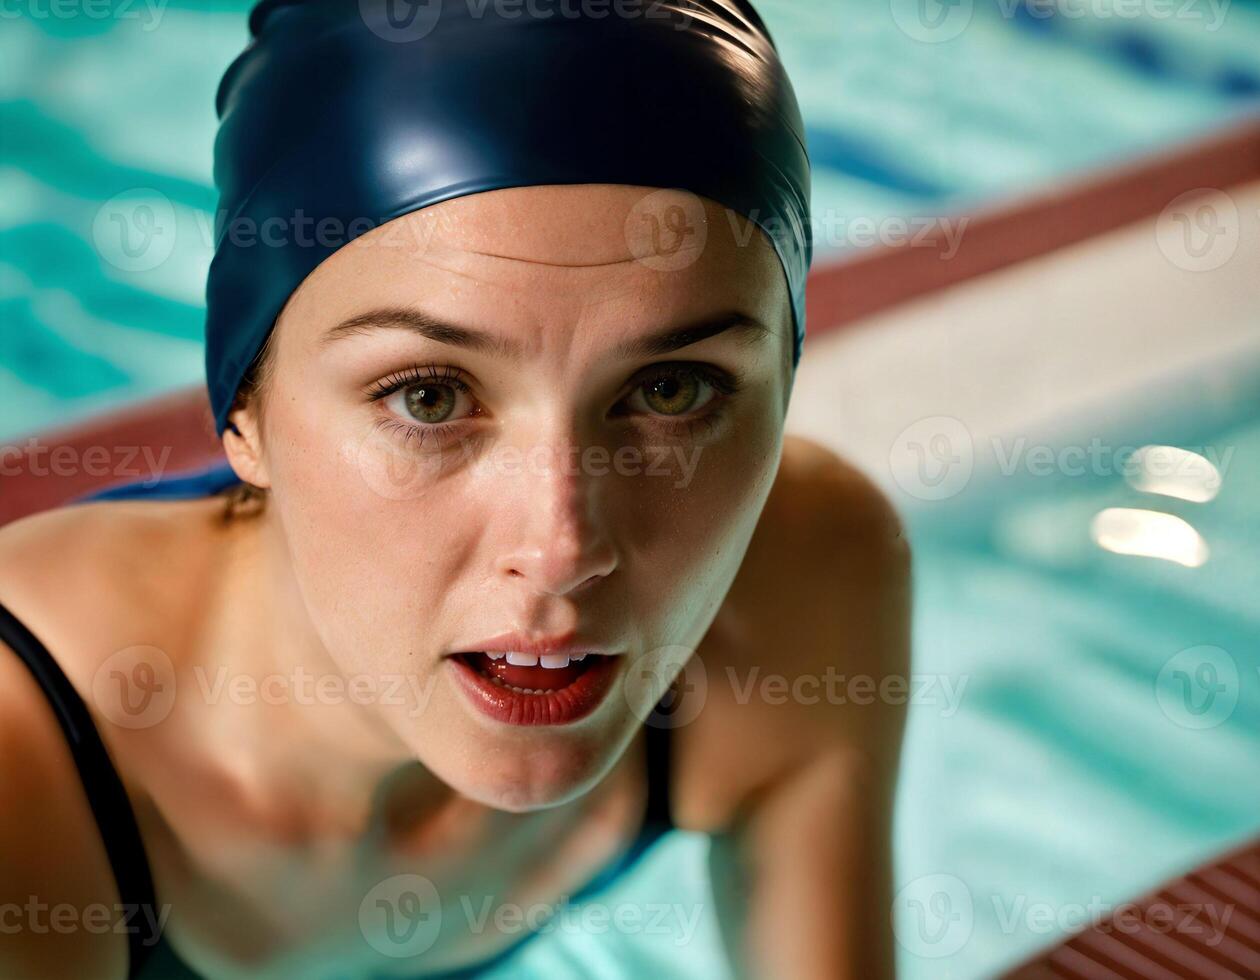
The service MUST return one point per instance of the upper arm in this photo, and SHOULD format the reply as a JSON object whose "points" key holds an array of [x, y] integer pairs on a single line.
{"points": [[801, 881], [810, 652], [807, 691], [845, 617], [58, 899], [821, 834]]}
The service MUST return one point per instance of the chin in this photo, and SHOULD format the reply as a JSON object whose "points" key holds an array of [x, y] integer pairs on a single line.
{"points": [[547, 768]]}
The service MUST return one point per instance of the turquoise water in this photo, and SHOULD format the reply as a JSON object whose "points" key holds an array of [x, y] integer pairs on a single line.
{"points": [[97, 109], [1094, 754], [1062, 767]]}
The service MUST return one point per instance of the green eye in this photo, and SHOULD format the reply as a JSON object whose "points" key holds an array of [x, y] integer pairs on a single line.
{"points": [[673, 392], [430, 403]]}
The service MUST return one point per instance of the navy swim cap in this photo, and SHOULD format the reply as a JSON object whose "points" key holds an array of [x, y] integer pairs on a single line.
{"points": [[341, 115]]}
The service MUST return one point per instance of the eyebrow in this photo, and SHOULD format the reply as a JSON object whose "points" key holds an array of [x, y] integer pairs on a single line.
{"points": [[748, 328]]}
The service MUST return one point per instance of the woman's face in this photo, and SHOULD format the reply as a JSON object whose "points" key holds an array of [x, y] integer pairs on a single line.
{"points": [[483, 420]]}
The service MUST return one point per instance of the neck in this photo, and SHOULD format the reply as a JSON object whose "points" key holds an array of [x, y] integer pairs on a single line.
{"points": [[312, 757]]}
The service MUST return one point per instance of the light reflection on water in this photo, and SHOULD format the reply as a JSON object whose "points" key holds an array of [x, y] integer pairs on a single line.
{"points": [[1108, 626], [1150, 534]]}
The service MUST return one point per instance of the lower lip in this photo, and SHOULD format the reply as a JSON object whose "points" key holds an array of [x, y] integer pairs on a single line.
{"points": [[559, 707]]}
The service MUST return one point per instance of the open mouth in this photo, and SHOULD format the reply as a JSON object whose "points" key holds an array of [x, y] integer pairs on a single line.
{"points": [[523, 689], [527, 674]]}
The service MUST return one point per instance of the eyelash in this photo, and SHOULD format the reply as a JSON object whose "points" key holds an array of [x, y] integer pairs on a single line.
{"points": [[725, 383]]}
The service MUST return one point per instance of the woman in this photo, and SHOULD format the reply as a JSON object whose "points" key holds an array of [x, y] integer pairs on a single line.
{"points": [[514, 567]]}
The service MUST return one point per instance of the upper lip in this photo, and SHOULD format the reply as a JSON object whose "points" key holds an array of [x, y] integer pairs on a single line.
{"points": [[566, 643]]}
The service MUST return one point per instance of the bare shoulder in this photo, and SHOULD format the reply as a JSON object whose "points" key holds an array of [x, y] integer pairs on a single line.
{"points": [[75, 544], [91, 579], [828, 558], [57, 886], [85, 581], [813, 632], [55, 858], [817, 490]]}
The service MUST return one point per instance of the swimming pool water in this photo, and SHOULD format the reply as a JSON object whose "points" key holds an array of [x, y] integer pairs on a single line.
{"points": [[107, 120], [1108, 736], [1056, 763]]}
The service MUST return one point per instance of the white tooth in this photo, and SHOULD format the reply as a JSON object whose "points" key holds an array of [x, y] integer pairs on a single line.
{"points": [[495, 656], [521, 659], [555, 660], [577, 656]]}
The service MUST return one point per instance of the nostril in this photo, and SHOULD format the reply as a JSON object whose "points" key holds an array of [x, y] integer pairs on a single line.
{"points": [[556, 571]]}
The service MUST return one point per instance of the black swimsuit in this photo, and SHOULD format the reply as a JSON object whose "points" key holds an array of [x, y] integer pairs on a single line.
{"points": [[152, 957]]}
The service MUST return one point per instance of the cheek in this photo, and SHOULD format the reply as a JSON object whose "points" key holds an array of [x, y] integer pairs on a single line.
{"points": [[368, 531], [692, 526], [695, 539], [385, 539]]}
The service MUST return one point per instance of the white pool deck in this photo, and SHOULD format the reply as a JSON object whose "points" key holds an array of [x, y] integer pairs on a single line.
{"points": [[1121, 319]]}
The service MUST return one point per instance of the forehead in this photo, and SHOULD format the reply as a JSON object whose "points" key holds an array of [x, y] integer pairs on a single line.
{"points": [[558, 252]]}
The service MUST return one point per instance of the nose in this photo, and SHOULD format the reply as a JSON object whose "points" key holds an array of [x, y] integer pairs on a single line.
{"points": [[561, 540]]}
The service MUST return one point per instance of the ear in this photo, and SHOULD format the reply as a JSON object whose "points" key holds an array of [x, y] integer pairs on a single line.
{"points": [[243, 444]]}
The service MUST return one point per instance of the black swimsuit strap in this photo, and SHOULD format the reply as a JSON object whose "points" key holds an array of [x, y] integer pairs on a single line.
{"points": [[116, 819], [105, 793], [657, 730]]}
